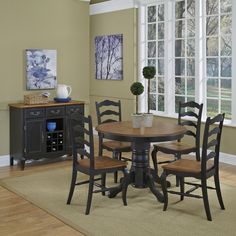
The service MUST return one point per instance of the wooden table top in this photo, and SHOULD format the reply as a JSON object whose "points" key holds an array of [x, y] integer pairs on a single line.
{"points": [[49, 104], [159, 130]]}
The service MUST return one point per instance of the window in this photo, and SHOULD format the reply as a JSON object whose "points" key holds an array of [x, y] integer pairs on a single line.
{"points": [[190, 44]]}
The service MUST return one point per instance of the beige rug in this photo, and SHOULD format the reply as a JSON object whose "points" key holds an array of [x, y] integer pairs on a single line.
{"points": [[142, 216]]}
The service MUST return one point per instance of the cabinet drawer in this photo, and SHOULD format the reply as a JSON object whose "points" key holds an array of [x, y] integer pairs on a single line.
{"points": [[55, 111], [34, 113], [74, 109]]}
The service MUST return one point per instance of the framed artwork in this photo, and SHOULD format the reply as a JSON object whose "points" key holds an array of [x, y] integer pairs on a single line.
{"points": [[109, 57], [41, 69]]}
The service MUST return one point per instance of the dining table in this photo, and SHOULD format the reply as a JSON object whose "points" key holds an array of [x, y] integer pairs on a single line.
{"points": [[140, 174]]}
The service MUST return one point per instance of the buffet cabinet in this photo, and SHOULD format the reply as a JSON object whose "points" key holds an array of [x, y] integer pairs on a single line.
{"points": [[32, 138]]}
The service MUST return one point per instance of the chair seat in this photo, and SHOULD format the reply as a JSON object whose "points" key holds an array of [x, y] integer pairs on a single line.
{"points": [[186, 166], [175, 147], [117, 146], [103, 163]]}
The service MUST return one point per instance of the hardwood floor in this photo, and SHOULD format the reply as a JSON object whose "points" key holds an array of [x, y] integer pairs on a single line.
{"points": [[20, 217]]}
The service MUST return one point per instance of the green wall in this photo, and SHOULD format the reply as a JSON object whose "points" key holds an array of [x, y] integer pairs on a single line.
{"points": [[119, 22], [48, 24]]}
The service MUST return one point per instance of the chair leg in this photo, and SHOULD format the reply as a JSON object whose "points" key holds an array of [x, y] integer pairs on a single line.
{"points": [[181, 181], [218, 191], [164, 190], [177, 157], [154, 159], [103, 182], [115, 155], [72, 185], [90, 194], [125, 183], [205, 199]]}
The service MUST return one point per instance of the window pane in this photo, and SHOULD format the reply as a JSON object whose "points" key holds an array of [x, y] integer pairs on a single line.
{"points": [[191, 47], [190, 86], [212, 107], [226, 67], [180, 29], [191, 28], [179, 10], [212, 46], [179, 66], [160, 48], [226, 108], [212, 67], [190, 67], [152, 14], [226, 24], [180, 86], [213, 88], [226, 6], [179, 48], [160, 70], [226, 91], [211, 7], [177, 100], [151, 49], [191, 8], [152, 85], [161, 88], [161, 103], [212, 25], [161, 11], [151, 31], [226, 46], [153, 101], [151, 62], [161, 31]]}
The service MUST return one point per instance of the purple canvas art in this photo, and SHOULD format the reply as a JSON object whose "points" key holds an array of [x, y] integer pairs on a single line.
{"points": [[109, 57]]}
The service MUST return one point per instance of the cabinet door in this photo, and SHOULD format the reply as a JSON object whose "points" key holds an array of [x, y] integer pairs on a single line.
{"points": [[34, 138], [69, 111]]}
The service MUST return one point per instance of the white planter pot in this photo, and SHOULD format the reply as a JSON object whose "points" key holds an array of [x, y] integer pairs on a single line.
{"points": [[137, 120], [147, 119]]}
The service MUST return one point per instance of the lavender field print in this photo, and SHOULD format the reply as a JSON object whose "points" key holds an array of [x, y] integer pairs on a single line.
{"points": [[41, 69], [109, 57]]}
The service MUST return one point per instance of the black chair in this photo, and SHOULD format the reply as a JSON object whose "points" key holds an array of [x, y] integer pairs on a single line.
{"points": [[178, 148], [202, 170], [110, 111], [91, 165]]}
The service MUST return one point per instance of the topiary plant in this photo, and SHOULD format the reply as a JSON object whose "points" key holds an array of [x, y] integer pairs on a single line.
{"points": [[136, 89], [149, 73]]}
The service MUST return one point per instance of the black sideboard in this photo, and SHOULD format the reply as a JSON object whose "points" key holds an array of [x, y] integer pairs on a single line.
{"points": [[30, 138]]}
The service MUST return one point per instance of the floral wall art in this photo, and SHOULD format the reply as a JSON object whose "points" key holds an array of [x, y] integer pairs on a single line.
{"points": [[109, 57], [41, 69]]}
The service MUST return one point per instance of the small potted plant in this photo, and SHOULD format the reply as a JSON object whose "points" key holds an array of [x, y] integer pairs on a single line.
{"points": [[136, 89], [149, 73]]}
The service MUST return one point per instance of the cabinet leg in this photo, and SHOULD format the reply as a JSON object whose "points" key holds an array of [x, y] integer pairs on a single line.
{"points": [[11, 161], [22, 164]]}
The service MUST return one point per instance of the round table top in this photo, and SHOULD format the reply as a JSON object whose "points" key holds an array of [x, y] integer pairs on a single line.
{"points": [[160, 131]]}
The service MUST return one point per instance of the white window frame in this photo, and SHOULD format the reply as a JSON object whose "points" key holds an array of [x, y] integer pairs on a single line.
{"points": [[200, 57]]}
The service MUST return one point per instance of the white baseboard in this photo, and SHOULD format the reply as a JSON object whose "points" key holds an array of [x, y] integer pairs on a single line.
{"points": [[224, 158]]}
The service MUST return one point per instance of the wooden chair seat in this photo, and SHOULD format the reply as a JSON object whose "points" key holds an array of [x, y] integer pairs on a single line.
{"points": [[102, 163], [185, 166], [117, 146], [175, 147]]}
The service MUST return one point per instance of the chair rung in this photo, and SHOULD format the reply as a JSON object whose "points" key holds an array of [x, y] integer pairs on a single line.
{"points": [[192, 189], [86, 181], [199, 185], [126, 159], [184, 194]]}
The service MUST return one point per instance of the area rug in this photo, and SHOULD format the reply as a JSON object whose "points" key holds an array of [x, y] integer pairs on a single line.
{"points": [[143, 215]]}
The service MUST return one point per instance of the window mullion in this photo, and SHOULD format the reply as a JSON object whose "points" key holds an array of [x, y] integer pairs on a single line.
{"points": [[233, 62]]}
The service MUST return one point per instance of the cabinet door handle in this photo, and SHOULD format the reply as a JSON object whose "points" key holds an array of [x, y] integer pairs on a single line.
{"points": [[55, 112], [34, 113]]}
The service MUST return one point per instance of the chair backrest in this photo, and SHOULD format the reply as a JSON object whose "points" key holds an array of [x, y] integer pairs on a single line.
{"points": [[211, 140], [108, 111], [193, 126], [82, 137]]}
